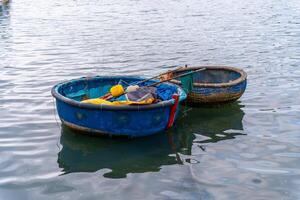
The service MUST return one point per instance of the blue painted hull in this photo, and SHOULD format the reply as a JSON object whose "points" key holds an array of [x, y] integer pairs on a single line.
{"points": [[217, 94], [133, 121]]}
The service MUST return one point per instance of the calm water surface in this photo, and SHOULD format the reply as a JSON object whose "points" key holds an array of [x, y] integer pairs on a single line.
{"points": [[245, 150]]}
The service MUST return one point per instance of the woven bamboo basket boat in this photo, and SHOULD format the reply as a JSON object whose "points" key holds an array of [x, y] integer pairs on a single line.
{"points": [[215, 84]]}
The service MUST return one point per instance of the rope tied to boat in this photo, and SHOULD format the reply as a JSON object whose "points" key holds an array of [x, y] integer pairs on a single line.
{"points": [[57, 123]]}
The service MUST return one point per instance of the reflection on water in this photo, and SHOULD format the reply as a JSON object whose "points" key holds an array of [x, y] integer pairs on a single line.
{"points": [[4, 33], [4, 9], [81, 153], [209, 124], [213, 119]]}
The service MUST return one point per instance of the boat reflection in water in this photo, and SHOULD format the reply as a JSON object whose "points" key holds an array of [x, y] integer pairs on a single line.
{"points": [[4, 10], [82, 153], [122, 156], [209, 124]]}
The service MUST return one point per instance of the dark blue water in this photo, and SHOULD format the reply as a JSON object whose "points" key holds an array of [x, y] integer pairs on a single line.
{"points": [[245, 150]]}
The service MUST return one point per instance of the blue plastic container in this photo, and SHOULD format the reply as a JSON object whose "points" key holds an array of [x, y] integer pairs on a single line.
{"points": [[125, 120]]}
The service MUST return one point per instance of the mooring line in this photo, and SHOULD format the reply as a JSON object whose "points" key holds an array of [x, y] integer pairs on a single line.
{"points": [[57, 123]]}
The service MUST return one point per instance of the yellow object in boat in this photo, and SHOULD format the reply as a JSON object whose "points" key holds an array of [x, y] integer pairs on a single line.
{"points": [[144, 102], [116, 90], [98, 101]]}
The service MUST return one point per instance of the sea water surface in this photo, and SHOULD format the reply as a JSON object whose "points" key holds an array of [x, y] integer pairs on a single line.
{"points": [[249, 149]]}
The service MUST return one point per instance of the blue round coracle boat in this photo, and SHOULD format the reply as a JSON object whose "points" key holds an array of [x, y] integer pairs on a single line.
{"points": [[215, 84], [122, 120]]}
